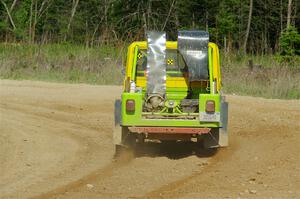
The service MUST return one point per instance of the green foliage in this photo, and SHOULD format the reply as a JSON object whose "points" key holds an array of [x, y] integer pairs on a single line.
{"points": [[63, 63], [269, 79], [290, 45], [86, 50], [102, 65], [116, 21], [227, 18]]}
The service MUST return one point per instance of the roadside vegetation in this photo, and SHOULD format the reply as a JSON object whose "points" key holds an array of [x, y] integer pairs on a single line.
{"points": [[242, 74], [261, 76], [85, 41], [62, 63]]}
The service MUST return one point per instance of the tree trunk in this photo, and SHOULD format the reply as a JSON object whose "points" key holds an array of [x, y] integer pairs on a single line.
{"points": [[248, 26], [289, 12], [74, 7], [225, 45], [34, 21], [206, 20], [281, 17], [193, 21], [30, 22], [13, 5], [264, 35], [177, 24], [229, 43], [41, 9], [168, 16], [10, 10], [9, 15], [149, 10], [240, 25]]}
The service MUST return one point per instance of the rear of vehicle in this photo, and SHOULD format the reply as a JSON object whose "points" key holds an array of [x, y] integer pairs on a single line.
{"points": [[172, 91]]}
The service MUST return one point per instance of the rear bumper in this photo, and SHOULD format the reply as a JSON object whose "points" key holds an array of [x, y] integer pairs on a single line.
{"points": [[140, 118], [169, 130]]}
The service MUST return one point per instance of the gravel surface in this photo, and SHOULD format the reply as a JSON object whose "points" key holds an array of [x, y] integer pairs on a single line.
{"points": [[56, 142]]}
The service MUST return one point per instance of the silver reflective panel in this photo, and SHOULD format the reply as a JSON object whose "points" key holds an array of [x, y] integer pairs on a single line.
{"points": [[156, 63], [193, 46]]}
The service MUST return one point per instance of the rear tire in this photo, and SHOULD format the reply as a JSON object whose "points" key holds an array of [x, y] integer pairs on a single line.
{"points": [[123, 153], [217, 137], [211, 140], [127, 144]]}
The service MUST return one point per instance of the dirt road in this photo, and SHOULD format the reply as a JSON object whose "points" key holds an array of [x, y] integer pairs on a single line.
{"points": [[55, 142]]}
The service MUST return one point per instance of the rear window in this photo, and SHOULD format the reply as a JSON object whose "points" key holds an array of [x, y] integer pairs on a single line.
{"points": [[174, 62]]}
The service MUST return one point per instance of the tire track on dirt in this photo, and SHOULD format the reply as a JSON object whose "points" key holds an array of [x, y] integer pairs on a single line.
{"points": [[263, 155], [70, 118], [102, 174], [264, 159], [51, 113], [221, 155]]}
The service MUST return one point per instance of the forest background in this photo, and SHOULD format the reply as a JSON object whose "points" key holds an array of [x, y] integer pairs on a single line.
{"points": [[84, 41]]}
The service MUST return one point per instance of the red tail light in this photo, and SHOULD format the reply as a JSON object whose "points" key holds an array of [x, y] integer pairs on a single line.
{"points": [[130, 105], [210, 106]]}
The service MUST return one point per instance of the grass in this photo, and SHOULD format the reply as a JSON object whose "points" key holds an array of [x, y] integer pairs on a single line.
{"points": [[80, 64], [62, 63], [268, 78]]}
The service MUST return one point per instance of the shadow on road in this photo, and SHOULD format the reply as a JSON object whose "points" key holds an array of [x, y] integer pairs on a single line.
{"points": [[172, 150]]}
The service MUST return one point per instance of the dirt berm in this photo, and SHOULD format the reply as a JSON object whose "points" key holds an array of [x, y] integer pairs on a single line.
{"points": [[56, 142]]}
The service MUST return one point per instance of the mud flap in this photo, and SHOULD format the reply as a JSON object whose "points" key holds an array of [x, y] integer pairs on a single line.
{"points": [[117, 130], [218, 137], [223, 133]]}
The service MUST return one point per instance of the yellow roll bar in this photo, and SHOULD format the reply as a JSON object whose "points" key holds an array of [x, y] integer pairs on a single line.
{"points": [[178, 82]]}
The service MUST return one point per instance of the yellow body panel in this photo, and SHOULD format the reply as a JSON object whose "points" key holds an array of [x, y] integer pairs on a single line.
{"points": [[216, 64], [173, 82]]}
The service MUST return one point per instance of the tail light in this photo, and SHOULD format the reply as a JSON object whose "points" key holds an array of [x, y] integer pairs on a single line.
{"points": [[210, 106], [130, 105]]}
